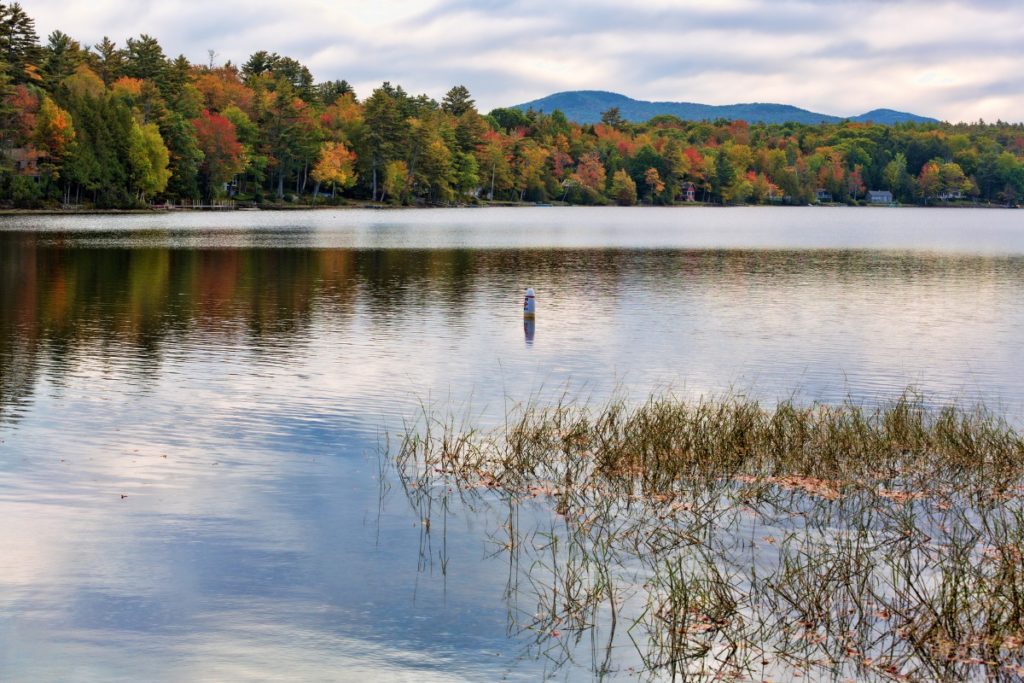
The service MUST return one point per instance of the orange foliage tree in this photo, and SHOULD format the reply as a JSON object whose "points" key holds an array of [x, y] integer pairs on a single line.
{"points": [[335, 166]]}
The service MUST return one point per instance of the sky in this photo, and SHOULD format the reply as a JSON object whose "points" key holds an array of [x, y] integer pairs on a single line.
{"points": [[954, 60]]}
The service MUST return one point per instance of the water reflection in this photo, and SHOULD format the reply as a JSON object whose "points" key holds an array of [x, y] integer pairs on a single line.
{"points": [[232, 391], [716, 541], [823, 322], [529, 330]]}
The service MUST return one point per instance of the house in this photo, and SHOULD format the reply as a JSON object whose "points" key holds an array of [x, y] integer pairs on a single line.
{"points": [[879, 197], [25, 161], [690, 192], [823, 195], [948, 195]]}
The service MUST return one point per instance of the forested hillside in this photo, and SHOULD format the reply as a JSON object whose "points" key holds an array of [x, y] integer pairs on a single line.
{"points": [[587, 106], [112, 125]]}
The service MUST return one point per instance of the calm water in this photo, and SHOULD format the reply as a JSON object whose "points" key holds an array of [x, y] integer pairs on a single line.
{"points": [[191, 407]]}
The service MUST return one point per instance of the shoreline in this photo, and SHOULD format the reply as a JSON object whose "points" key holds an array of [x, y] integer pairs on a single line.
{"points": [[376, 206]]}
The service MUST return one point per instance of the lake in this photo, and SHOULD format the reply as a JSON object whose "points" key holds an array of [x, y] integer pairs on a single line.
{"points": [[194, 407]]}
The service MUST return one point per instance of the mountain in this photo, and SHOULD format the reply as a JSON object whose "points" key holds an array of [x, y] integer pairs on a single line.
{"points": [[888, 117], [586, 106]]}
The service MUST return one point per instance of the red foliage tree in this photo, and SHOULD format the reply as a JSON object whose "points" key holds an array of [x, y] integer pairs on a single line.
{"points": [[223, 153]]}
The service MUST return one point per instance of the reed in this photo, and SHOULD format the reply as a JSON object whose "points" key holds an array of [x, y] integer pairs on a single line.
{"points": [[722, 539]]}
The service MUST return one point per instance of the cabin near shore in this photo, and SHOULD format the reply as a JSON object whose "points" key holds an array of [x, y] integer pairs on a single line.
{"points": [[25, 161], [689, 192], [879, 197]]}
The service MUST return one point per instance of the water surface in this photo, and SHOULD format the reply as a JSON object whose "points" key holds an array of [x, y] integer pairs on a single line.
{"points": [[191, 406]]}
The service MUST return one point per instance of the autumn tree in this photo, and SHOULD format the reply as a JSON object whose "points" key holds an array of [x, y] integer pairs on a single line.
{"points": [[255, 162], [953, 181], [22, 105], [222, 153], [530, 158], [83, 83], [855, 186], [148, 160], [221, 88], [492, 161], [437, 169], [928, 183], [590, 172], [655, 186], [342, 120], [336, 166], [623, 189], [762, 189], [413, 147], [53, 136], [395, 185]]}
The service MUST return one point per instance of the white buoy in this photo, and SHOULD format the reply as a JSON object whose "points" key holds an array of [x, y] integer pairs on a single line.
{"points": [[529, 304]]}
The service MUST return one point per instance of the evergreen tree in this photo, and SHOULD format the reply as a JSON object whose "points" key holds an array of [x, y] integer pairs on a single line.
{"points": [[19, 44], [61, 56], [457, 101], [109, 60], [386, 132], [144, 58], [329, 92]]}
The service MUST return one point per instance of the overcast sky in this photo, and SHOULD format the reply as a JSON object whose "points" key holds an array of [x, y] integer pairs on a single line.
{"points": [[953, 60]]}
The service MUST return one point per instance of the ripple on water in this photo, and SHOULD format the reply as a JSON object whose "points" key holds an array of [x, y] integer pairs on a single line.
{"points": [[190, 409]]}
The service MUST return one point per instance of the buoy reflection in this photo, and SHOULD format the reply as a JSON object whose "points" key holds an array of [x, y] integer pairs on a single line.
{"points": [[529, 328]]}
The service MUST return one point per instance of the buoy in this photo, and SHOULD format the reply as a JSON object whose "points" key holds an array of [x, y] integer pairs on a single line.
{"points": [[529, 304], [529, 329]]}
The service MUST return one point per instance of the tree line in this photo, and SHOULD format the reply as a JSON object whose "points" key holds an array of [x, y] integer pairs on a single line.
{"points": [[121, 126]]}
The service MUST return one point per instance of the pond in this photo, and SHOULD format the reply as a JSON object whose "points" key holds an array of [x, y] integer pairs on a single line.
{"points": [[194, 407]]}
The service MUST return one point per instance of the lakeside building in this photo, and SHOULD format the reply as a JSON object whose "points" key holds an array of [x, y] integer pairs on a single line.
{"points": [[879, 197], [690, 192], [25, 161]]}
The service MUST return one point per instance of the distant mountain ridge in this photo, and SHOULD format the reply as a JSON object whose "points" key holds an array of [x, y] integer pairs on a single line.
{"points": [[586, 106]]}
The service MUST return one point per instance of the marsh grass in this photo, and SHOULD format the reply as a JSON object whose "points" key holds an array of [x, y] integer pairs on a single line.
{"points": [[724, 540]]}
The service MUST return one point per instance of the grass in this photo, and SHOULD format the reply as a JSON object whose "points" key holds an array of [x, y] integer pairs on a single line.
{"points": [[720, 539]]}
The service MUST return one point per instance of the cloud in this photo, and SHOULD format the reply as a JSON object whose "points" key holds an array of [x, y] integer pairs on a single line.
{"points": [[956, 60]]}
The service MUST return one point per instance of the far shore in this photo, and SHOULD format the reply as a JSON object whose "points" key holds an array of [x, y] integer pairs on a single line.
{"points": [[382, 206]]}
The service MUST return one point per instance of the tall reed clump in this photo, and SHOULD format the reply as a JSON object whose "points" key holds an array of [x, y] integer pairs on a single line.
{"points": [[723, 539]]}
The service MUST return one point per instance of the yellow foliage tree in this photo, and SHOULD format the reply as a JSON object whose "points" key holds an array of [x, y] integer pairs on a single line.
{"points": [[396, 180], [623, 188], [335, 166], [54, 134]]}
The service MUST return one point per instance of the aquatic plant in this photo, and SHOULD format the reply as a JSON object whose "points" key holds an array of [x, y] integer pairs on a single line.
{"points": [[721, 539]]}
